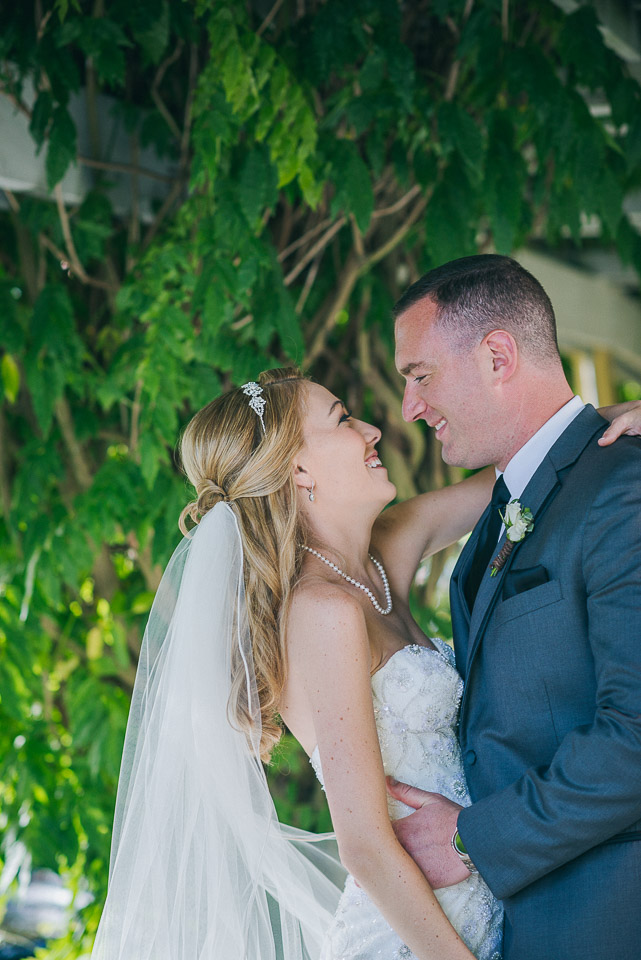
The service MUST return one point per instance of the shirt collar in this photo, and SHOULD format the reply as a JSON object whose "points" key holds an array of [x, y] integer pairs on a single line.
{"points": [[526, 461]]}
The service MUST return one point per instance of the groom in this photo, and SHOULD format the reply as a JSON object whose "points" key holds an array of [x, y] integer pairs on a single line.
{"points": [[550, 645]]}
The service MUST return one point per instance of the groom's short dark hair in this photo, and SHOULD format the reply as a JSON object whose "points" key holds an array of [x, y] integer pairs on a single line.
{"points": [[481, 293]]}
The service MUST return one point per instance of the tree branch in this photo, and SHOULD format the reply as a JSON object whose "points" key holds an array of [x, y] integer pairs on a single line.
{"points": [[160, 104], [18, 104], [133, 234], [11, 199], [124, 168], [309, 283], [396, 207], [104, 573], [315, 250], [152, 573], [79, 464], [189, 102], [355, 268], [183, 137], [72, 255], [5, 485], [302, 240], [126, 675], [333, 304], [168, 203], [30, 272], [357, 237], [452, 80], [398, 234], [135, 418], [268, 19]]}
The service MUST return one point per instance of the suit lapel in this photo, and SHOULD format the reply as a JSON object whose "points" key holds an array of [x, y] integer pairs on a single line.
{"points": [[537, 496], [458, 601]]}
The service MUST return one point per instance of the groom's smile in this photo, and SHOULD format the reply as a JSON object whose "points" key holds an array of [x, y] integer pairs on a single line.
{"points": [[443, 385]]}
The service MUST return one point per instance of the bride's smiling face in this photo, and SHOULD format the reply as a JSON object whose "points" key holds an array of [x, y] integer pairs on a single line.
{"points": [[340, 454]]}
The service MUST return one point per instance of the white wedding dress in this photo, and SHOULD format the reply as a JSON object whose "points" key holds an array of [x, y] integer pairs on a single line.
{"points": [[417, 694]]}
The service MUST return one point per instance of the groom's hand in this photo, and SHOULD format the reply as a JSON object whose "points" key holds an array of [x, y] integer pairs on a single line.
{"points": [[427, 833]]}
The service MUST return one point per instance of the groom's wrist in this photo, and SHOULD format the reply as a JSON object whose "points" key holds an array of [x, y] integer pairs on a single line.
{"points": [[459, 849]]}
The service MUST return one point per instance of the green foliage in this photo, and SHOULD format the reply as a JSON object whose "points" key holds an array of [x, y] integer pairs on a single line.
{"points": [[318, 158]]}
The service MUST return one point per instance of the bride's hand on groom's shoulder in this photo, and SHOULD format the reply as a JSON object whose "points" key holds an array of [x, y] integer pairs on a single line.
{"points": [[427, 833], [626, 419]]}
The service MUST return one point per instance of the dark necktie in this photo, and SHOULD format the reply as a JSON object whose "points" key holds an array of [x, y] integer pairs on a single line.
{"points": [[488, 538]]}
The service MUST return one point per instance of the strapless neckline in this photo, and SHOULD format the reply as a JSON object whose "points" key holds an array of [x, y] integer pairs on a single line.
{"points": [[412, 648]]}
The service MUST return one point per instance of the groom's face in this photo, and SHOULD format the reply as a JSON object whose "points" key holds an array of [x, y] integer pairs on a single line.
{"points": [[447, 388]]}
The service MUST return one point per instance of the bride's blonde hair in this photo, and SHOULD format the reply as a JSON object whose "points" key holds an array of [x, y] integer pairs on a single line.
{"points": [[226, 456]]}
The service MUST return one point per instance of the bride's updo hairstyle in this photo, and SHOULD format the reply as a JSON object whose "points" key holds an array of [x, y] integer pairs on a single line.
{"points": [[226, 456]]}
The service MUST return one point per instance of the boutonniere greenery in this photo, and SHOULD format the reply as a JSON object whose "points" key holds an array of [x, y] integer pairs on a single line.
{"points": [[518, 522]]}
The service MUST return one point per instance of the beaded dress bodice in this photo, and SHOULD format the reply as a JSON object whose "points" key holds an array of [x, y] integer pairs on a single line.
{"points": [[417, 694]]}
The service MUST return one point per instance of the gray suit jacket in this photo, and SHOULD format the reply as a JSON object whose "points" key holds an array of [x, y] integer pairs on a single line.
{"points": [[551, 715]]}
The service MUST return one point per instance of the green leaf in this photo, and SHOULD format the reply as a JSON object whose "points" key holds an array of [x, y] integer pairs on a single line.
{"points": [[237, 78], [425, 166], [504, 178], [459, 131], [633, 143], [151, 456], [52, 326], [373, 70], [288, 327], [62, 6], [45, 380], [92, 226], [11, 333], [610, 199], [10, 373], [41, 116], [257, 185], [311, 187], [230, 226], [62, 146], [400, 64], [142, 602], [581, 46], [54, 351], [450, 216], [150, 27], [351, 177], [102, 39], [564, 214]]}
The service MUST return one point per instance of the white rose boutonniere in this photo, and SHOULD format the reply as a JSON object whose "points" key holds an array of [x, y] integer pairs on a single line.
{"points": [[518, 522]]}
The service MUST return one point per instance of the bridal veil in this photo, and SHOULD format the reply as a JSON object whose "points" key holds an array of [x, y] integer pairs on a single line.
{"points": [[200, 868]]}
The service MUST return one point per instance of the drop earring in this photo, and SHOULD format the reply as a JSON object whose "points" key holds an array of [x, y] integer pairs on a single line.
{"points": [[311, 492]]}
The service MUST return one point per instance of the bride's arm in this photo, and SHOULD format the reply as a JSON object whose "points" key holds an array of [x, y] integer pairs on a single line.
{"points": [[329, 655], [425, 524]]}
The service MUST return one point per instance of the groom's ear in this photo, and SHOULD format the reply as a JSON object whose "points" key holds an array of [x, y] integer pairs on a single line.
{"points": [[503, 353]]}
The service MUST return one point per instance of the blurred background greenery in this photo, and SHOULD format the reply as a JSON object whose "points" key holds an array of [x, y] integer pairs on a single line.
{"points": [[195, 190]]}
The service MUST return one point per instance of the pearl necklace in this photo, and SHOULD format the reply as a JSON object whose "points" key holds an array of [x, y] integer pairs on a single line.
{"points": [[361, 586]]}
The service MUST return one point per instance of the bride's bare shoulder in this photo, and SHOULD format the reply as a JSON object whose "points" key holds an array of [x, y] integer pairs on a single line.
{"points": [[323, 611], [323, 600]]}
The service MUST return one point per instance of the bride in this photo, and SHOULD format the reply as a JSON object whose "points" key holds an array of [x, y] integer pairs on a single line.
{"points": [[289, 599]]}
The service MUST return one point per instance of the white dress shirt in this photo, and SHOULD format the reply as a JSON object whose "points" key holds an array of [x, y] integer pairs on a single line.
{"points": [[528, 459]]}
